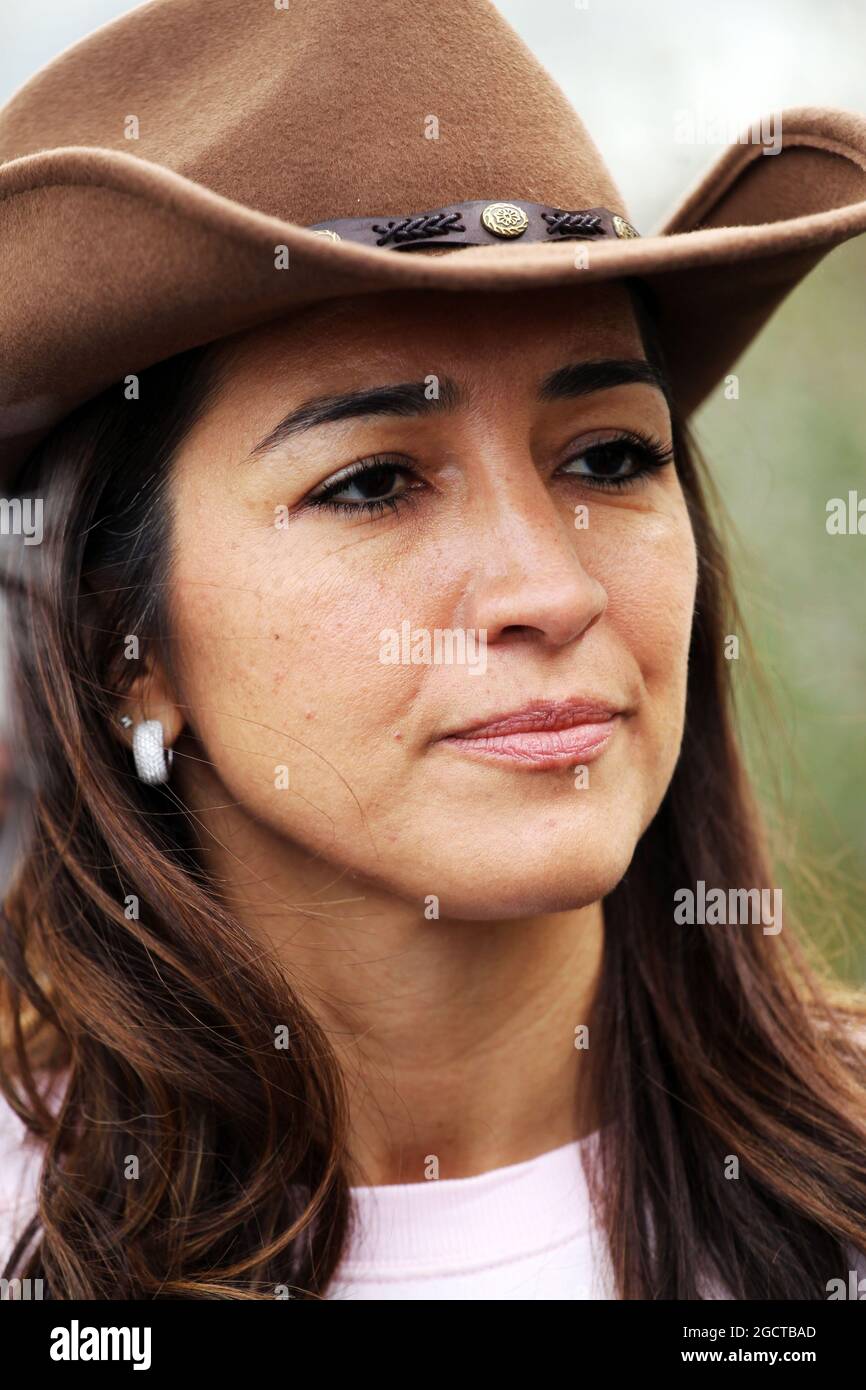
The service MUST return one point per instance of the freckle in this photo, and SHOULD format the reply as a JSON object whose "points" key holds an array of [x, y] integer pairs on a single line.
{"points": [[276, 637]]}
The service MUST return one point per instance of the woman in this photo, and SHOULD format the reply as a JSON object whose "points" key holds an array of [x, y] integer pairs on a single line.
{"points": [[373, 683]]}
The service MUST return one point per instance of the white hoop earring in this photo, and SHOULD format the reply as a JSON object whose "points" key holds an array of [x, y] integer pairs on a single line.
{"points": [[152, 762]]}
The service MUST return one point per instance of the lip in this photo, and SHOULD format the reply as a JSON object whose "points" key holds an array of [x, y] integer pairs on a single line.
{"points": [[544, 734]]}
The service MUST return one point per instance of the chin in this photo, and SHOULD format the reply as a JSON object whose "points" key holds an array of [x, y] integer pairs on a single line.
{"points": [[508, 885]]}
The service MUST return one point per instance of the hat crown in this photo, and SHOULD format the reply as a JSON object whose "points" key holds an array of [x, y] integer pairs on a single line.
{"points": [[320, 110]]}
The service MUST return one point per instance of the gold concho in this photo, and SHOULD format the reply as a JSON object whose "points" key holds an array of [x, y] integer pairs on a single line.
{"points": [[505, 219], [326, 231], [623, 228]]}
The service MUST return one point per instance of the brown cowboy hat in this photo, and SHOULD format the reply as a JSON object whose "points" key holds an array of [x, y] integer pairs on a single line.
{"points": [[167, 182]]}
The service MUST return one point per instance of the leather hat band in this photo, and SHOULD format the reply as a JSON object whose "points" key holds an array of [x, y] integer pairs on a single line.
{"points": [[478, 223]]}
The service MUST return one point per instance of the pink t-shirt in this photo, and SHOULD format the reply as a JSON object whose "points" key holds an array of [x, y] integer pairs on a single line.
{"points": [[520, 1232]]}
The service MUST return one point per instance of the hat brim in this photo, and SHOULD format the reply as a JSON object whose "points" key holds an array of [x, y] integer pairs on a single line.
{"points": [[111, 263]]}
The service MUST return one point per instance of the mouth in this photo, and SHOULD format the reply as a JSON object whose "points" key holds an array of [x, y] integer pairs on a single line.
{"points": [[545, 734]]}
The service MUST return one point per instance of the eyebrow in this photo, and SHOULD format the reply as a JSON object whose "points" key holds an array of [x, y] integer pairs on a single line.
{"points": [[412, 398]]}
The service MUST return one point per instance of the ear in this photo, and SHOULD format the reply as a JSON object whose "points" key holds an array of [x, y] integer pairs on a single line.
{"points": [[151, 696]]}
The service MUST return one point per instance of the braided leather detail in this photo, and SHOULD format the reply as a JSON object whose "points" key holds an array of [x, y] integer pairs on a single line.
{"points": [[582, 224], [415, 228]]}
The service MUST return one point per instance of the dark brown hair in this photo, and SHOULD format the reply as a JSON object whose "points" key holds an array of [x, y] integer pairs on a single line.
{"points": [[716, 1041]]}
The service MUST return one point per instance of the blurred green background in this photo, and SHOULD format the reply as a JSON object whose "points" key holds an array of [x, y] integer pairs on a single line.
{"points": [[796, 438]]}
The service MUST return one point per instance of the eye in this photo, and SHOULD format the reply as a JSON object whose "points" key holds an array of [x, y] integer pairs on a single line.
{"points": [[614, 463], [369, 486], [372, 485]]}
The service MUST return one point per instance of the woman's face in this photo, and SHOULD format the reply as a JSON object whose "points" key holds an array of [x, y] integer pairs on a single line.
{"points": [[507, 505]]}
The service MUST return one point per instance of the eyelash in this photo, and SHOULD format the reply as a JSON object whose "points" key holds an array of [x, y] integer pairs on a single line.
{"points": [[654, 456]]}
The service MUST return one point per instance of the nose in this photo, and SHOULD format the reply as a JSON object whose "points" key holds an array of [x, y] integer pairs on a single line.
{"points": [[528, 579]]}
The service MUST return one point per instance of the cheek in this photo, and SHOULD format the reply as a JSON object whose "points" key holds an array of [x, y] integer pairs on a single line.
{"points": [[648, 563], [279, 659], [649, 569], [654, 603]]}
